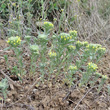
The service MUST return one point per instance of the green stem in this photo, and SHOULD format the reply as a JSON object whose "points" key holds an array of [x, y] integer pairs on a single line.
{"points": [[20, 63], [33, 64], [51, 68], [61, 66]]}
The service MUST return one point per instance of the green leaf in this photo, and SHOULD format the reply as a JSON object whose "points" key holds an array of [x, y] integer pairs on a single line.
{"points": [[7, 48], [3, 6]]}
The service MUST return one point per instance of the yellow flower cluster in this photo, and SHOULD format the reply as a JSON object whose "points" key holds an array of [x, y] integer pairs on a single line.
{"points": [[96, 48], [104, 77], [73, 68], [62, 10], [101, 50], [71, 47], [66, 38], [55, 19], [86, 53], [48, 25], [92, 66], [14, 41], [52, 54], [14, 4], [85, 43], [79, 44], [93, 46], [73, 33]]}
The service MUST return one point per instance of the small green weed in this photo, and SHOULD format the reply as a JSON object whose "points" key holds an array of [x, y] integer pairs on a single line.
{"points": [[66, 55], [3, 87]]}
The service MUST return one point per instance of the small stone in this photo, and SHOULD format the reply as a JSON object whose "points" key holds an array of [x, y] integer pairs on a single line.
{"points": [[34, 90], [2, 61], [50, 85], [8, 100], [11, 86]]}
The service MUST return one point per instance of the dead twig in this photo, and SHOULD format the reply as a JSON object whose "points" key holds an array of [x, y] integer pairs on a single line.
{"points": [[10, 80], [83, 97], [4, 51], [72, 88], [25, 93]]}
